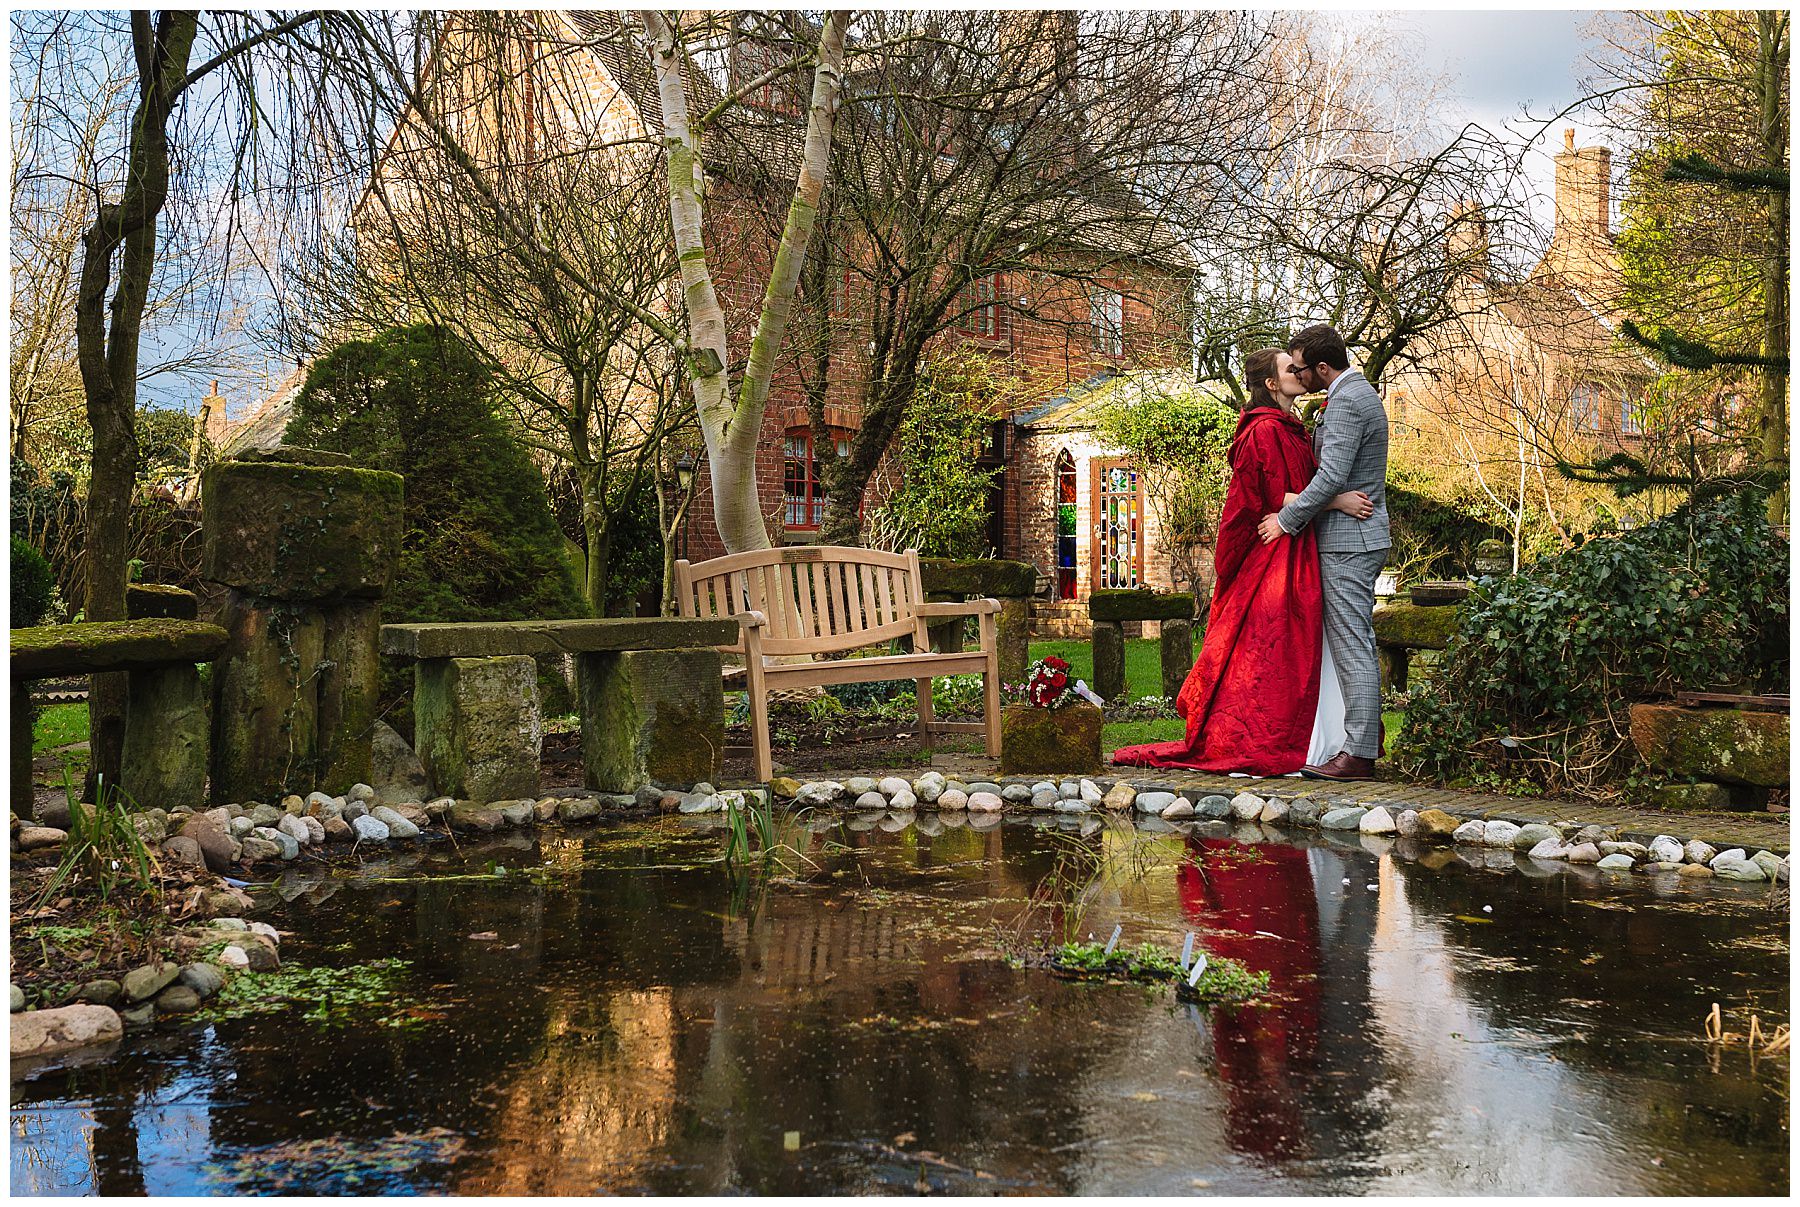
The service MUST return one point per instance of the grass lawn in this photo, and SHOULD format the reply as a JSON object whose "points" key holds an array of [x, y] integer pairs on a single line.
{"points": [[58, 725]]}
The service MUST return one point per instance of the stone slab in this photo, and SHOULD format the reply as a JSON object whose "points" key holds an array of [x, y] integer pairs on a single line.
{"points": [[491, 639], [1402, 624], [978, 577], [477, 726], [54, 650], [1137, 603], [147, 601]]}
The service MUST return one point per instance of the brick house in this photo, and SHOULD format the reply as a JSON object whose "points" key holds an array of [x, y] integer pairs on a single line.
{"points": [[1547, 345]]}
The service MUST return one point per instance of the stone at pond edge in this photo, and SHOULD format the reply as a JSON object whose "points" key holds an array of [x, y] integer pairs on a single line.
{"points": [[786, 787], [1302, 810], [985, 802], [1664, 849], [1769, 862], [370, 829], [1698, 852], [137, 1017], [1045, 799], [1435, 825], [1342, 818], [1119, 797], [64, 1029], [819, 792], [1532, 833], [578, 809], [38, 838], [1015, 794], [1694, 869], [1274, 811], [1179, 810], [929, 787], [1376, 821], [1154, 802], [870, 799], [1616, 862], [517, 812], [202, 978], [1246, 806], [1470, 833], [1500, 834], [953, 800], [1549, 848], [1058, 740], [102, 992], [148, 981], [1584, 852], [184, 851], [18, 999], [467, 816], [337, 830], [178, 999], [395, 772]]}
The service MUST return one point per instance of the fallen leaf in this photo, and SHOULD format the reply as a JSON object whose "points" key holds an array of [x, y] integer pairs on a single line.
{"points": [[484, 935]]}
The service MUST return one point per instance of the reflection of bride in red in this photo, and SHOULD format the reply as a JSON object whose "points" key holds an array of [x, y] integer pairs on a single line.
{"points": [[1262, 696], [1257, 906]]}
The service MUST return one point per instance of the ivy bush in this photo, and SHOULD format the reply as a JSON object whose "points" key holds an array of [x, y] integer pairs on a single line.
{"points": [[1433, 539], [1537, 681]]}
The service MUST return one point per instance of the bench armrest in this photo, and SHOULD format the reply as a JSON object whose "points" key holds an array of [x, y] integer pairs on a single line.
{"points": [[752, 620], [972, 607]]}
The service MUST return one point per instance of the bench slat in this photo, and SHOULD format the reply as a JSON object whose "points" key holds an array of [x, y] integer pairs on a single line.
{"points": [[875, 670]]}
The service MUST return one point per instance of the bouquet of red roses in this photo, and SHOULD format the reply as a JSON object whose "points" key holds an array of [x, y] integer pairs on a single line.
{"points": [[1047, 684]]}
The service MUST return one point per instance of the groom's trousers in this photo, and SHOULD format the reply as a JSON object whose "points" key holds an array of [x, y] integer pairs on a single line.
{"points": [[1349, 582]]}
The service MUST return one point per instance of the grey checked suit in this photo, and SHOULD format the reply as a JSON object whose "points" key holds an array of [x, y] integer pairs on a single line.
{"points": [[1351, 443]]}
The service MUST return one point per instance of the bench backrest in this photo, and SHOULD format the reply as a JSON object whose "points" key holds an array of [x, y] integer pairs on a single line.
{"points": [[818, 598]]}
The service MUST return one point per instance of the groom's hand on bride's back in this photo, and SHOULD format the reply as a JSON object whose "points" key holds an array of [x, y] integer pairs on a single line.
{"points": [[1270, 529]]}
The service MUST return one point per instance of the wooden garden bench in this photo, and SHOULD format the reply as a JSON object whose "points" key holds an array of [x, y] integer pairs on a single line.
{"points": [[807, 601]]}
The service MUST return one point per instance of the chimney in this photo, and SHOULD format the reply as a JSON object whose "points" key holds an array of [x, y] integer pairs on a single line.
{"points": [[1583, 192], [1468, 241]]}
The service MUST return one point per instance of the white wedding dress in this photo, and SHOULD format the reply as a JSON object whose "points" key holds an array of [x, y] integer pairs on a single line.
{"points": [[1328, 721]]}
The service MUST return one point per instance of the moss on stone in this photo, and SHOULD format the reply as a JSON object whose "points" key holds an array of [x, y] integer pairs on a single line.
{"points": [[1137, 603], [1177, 650], [1108, 642], [1728, 744], [265, 703], [1692, 797], [1013, 633], [978, 577], [477, 726], [111, 645], [1052, 741], [651, 716], [490, 639], [167, 738], [1401, 623], [285, 531]]}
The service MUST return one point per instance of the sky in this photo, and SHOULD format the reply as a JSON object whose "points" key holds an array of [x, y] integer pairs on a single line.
{"points": [[1505, 64]]}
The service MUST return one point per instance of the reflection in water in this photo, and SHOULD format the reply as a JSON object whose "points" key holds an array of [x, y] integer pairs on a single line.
{"points": [[636, 1025]]}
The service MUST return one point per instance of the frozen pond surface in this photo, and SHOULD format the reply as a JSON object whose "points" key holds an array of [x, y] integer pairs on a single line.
{"points": [[611, 1015]]}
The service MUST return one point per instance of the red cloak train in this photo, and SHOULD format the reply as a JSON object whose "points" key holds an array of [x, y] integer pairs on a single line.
{"points": [[1250, 700]]}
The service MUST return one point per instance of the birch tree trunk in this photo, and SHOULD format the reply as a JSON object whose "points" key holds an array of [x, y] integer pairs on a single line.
{"points": [[731, 420]]}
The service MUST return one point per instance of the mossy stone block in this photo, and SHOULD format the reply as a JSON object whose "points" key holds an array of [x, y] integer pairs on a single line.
{"points": [[1732, 745], [1137, 603], [978, 577], [22, 717], [1403, 624], [492, 639], [146, 601], [1051, 741], [477, 728], [287, 531], [111, 645], [651, 716], [1109, 659], [168, 736]]}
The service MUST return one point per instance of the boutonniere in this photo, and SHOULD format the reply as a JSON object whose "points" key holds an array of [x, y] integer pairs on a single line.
{"points": [[1314, 411]]}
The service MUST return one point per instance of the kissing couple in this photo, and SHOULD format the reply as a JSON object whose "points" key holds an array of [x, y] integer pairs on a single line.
{"points": [[1287, 681]]}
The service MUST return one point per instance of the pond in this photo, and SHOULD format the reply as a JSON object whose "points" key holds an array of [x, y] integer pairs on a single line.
{"points": [[611, 1011]]}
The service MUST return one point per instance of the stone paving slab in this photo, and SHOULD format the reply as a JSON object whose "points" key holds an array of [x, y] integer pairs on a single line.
{"points": [[1752, 831]]}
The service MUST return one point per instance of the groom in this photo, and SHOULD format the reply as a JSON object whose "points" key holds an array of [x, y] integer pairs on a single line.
{"points": [[1351, 442]]}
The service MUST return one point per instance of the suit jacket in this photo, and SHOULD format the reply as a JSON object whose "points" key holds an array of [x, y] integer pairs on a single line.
{"points": [[1351, 443]]}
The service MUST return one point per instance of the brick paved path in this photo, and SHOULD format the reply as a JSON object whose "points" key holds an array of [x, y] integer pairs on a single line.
{"points": [[1752, 831]]}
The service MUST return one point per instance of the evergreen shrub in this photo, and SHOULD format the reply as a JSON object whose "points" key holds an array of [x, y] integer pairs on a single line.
{"points": [[33, 585], [1537, 682]]}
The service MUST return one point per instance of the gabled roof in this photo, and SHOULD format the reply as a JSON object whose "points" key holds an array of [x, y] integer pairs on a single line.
{"points": [[1080, 408], [1559, 319]]}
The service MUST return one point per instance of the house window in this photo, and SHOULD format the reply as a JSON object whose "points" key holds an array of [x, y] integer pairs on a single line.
{"points": [[1066, 523], [1584, 406], [1106, 318], [983, 316], [801, 489], [1631, 416]]}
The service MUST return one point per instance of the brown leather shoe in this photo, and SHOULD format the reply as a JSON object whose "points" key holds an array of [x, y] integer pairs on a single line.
{"points": [[1345, 766]]}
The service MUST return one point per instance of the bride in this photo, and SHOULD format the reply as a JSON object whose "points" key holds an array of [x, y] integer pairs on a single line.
{"points": [[1262, 697]]}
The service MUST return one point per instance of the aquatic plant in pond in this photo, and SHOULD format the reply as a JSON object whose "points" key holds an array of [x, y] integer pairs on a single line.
{"points": [[1224, 981], [331, 995]]}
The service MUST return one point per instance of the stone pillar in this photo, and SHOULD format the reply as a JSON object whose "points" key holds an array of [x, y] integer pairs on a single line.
{"points": [[651, 716], [167, 737], [1013, 626], [946, 635], [477, 726], [1395, 662], [349, 684], [1109, 659], [265, 704], [307, 543], [1177, 655]]}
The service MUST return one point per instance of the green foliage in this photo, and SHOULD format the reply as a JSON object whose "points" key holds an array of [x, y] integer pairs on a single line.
{"points": [[103, 852], [1433, 538], [1537, 681], [1225, 979], [332, 996], [480, 542], [59, 725], [165, 438], [939, 506], [33, 585]]}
